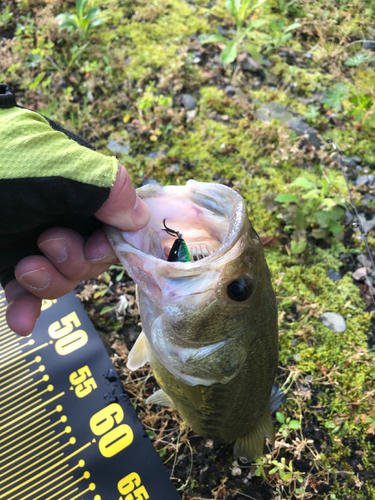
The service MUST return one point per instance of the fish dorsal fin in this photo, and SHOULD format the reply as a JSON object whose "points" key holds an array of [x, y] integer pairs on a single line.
{"points": [[160, 398], [194, 394], [138, 355], [251, 446]]}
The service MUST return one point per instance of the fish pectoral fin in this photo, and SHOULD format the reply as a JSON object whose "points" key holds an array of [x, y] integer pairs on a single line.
{"points": [[160, 398], [138, 355], [278, 398], [194, 394], [251, 446]]}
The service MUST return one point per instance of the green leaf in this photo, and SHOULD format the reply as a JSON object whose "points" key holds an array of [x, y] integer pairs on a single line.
{"points": [[294, 424], [292, 27], [287, 198], [233, 6], [260, 472], [303, 182], [215, 38], [92, 13], [229, 54], [280, 417], [257, 23], [107, 309], [335, 227], [150, 434], [80, 6]]}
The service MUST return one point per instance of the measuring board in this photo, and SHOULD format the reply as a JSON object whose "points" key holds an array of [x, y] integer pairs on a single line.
{"points": [[67, 429]]}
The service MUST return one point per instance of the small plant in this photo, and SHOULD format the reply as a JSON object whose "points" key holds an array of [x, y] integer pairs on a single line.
{"points": [[334, 97], [280, 33], [307, 211], [287, 424], [285, 7], [5, 17], [363, 109], [285, 470], [240, 10], [312, 113], [80, 22], [359, 59]]}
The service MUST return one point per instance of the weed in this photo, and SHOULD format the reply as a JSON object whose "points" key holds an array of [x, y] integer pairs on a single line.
{"points": [[334, 97], [287, 424], [6, 17], [240, 10], [280, 34], [312, 113], [307, 211], [285, 470], [358, 59], [80, 22]]}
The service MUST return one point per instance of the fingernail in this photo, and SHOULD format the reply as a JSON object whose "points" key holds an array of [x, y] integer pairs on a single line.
{"points": [[108, 258], [55, 249], [38, 279], [141, 213]]}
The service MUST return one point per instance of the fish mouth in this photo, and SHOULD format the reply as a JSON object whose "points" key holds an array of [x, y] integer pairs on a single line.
{"points": [[208, 216]]}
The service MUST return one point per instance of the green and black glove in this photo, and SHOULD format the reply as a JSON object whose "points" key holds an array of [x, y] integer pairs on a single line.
{"points": [[48, 177]]}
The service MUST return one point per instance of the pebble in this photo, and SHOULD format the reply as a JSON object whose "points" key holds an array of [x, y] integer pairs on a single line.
{"points": [[368, 44], [333, 321], [367, 225], [333, 275], [230, 90], [365, 180], [249, 64], [119, 147], [364, 260], [351, 161], [188, 101], [360, 274], [155, 154]]}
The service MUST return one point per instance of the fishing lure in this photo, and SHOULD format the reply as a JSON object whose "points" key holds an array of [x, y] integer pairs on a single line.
{"points": [[179, 251]]}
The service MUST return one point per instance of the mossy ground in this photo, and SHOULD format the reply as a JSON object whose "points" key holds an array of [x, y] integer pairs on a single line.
{"points": [[108, 84]]}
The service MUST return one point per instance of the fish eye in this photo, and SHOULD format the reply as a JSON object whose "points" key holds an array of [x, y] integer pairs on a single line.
{"points": [[240, 289]]}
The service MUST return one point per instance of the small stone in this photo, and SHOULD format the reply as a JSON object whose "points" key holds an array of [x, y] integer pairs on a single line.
{"points": [[155, 154], [119, 147], [230, 90], [367, 225], [221, 30], [333, 275], [188, 101], [364, 260], [249, 64], [349, 217], [360, 274], [351, 161], [333, 321], [365, 180], [190, 115], [368, 44]]}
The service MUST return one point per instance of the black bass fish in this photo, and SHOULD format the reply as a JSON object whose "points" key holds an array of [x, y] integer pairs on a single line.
{"points": [[209, 325]]}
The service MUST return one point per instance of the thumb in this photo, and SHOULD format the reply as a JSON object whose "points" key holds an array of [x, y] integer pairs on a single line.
{"points": [[124, 209]]}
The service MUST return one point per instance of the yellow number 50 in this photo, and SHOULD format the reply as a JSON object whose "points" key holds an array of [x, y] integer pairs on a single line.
{"points": [[114, 439], [130, 486]]}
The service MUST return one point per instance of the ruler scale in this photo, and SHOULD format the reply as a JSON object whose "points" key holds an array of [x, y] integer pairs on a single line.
{"points": [[67, 429]]}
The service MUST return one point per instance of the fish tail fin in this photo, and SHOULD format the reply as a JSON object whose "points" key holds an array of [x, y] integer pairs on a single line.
{"points": [[278, 398], [251, 446], [138, 355], [160, 398]]}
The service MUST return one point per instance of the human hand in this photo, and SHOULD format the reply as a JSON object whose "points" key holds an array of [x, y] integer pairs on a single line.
{"points": [[68, 258]]}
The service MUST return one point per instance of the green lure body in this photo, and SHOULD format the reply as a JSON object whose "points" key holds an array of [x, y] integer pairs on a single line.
{"points": [[179, 252]]}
